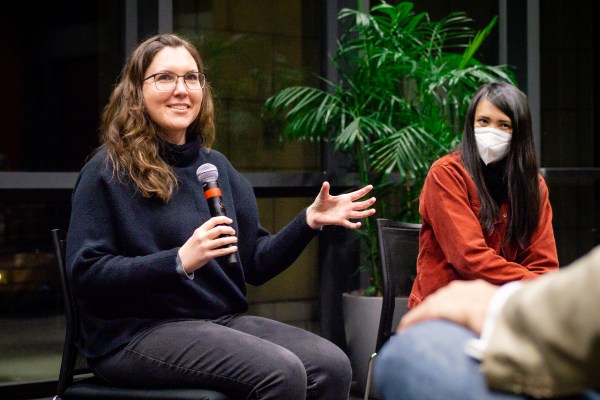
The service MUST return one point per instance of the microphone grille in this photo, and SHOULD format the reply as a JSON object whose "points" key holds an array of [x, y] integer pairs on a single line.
{"points": [[207, 173]]}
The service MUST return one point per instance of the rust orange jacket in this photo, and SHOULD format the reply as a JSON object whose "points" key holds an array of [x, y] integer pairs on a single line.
{"points": [[453, 245]]}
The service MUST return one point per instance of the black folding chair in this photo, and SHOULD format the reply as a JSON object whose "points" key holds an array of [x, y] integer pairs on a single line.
{"points": [[76, 380], [398, 248]]}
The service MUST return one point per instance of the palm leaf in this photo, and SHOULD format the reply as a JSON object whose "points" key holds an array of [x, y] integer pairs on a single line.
{"points": [[400, 99]]}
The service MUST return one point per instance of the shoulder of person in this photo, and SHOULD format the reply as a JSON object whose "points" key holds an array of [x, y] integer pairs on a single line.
{"points": [[450, 169], [96, 173], [216, 158], [226, 170], [543, 185], [97, 165], [450, 162], [541, 180]]}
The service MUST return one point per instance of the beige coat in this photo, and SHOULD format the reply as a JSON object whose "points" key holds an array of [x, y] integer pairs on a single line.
{"points": [[547, 339]]}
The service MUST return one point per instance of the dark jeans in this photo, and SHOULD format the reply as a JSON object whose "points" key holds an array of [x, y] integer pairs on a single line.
{"points": [[245, 357], [428, 362]]}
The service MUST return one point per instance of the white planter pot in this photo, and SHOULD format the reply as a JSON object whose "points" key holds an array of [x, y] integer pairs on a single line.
{"points": [[361, 322]]}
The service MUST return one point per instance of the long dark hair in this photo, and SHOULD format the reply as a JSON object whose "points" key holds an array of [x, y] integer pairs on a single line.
{"points": [[521, 171]]}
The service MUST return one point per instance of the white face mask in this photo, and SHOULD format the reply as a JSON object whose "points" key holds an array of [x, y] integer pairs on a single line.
{"points": [[493, 144]]}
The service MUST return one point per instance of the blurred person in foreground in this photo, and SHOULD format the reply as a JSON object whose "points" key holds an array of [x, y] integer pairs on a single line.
{"points": [[472, 340], [160, 305], [485, 208]]}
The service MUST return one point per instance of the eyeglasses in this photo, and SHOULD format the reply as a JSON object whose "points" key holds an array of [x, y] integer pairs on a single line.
{"points": [[167, 81]]}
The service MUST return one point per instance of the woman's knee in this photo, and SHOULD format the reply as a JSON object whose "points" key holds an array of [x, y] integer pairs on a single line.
{"points": [[329, 373], [287, 380], [391, 359], [426, 358], [336, 365]]}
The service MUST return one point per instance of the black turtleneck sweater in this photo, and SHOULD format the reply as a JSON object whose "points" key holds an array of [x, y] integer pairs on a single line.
{"points": [[494, 176], [122, 247]]}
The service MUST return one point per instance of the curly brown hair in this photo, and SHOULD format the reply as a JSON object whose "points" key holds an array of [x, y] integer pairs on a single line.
{"points": [[131, 137]]}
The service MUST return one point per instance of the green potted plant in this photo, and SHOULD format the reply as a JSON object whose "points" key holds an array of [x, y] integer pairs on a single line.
{"points": [[404, 84], [398, 105]]}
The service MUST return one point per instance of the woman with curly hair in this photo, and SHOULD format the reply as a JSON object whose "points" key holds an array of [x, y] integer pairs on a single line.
{"points": [[160, 304]]}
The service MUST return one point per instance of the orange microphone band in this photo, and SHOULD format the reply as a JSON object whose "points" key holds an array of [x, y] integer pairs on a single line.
{"points": [[212, 192]]}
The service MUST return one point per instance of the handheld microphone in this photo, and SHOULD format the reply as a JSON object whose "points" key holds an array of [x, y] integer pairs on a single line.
{"points": [[207, 174]]}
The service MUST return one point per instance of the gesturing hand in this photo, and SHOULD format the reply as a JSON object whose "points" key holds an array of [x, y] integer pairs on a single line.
{"points": [[338, 210], [207, 242]]}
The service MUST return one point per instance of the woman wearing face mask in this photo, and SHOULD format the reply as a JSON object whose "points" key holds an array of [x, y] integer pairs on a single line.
{"points": [[485, 209]]}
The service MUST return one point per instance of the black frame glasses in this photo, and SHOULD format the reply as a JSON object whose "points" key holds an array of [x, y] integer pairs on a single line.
{"points": [[170, 85]]}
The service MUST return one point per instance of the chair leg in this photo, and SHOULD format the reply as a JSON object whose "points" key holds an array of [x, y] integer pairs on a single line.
{"points": [[369, 371]]}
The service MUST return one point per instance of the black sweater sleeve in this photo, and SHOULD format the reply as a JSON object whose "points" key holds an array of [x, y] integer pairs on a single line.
{"points": [[264, 255]]}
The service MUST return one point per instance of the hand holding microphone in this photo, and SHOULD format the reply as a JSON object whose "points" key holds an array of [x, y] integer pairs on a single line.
{"points": [[214, 238], [207, 174]]}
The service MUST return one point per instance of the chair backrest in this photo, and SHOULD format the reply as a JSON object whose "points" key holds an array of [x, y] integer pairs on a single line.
{"points": [[75, 379], [398, 250], [73, 363]]}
